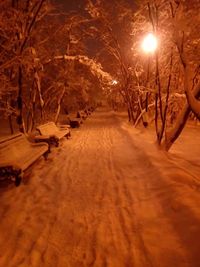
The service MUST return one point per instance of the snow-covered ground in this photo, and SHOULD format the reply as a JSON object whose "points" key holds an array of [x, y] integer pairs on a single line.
{"points": [[106, 198]]}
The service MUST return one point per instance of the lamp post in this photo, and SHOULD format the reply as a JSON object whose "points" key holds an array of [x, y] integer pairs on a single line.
{"points": [[149, 46], [114, 83]]}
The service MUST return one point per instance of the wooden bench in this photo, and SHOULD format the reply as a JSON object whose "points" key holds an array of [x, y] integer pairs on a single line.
{"points": [[72, 121], [17, 154], [53, 133], [87, 111], [91, 109]]}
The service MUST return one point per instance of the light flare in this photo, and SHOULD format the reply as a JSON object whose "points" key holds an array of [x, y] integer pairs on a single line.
{"points": [[114, 82], [150, 43]]}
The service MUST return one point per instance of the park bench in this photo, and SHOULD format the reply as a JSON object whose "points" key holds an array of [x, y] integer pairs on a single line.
{"points": [[51, 133], [87, 112], [71, 120], [17, 154], [75, 123], [91, 109]]}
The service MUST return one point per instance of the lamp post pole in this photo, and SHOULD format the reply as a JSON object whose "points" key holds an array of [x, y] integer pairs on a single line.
{"points": [[147, 82], [149, 45]]}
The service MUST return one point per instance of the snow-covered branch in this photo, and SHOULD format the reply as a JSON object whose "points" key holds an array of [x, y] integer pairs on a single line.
{"points": [[95, 67]]}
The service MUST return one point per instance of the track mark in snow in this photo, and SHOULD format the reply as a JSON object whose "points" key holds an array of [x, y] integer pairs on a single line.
{"points": [[100, 202]]}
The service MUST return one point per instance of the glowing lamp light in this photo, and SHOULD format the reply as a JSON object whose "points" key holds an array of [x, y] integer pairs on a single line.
{"points": [[114, 82], [149, 43]]}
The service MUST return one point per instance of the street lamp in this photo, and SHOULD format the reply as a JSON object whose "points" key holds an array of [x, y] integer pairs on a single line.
{"points": [[112, 89], [149, 46]]}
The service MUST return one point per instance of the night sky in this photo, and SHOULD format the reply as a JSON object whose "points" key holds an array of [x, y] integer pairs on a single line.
{"points": [[71, 5], [93, 46]]}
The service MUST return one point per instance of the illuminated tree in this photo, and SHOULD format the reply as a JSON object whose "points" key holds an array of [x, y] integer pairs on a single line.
{"points": [[169, 20], [113, 30], [38, 59]]}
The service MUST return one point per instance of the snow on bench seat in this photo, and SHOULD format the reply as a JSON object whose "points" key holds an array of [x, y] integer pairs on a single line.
{"points": [[17, 154], [53, 132]]}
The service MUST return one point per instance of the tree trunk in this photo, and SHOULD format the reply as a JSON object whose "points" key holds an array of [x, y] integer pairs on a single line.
{"points": [[192, 100], [38, 86], [173, 134], [162, 130], [10, 124], [20, 120], [59, 104]]}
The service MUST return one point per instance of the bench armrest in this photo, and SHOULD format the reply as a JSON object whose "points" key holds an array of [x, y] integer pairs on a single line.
{"points": [[64, 126], [40, 144], [40, 138]]}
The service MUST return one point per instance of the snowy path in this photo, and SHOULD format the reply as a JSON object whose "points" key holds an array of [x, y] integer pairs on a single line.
{"points": [[102, 202]]}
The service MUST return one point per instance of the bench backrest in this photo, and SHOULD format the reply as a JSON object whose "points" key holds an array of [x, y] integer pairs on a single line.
{"points": [[48, 128], [14, 147]]}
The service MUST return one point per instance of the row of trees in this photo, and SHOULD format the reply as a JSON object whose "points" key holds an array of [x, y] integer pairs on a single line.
{"points": [[45, 64], [163, 87]]}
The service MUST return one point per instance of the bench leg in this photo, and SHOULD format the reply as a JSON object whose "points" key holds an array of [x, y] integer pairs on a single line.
{"points": [[49, 147], [18, 180], [12, 173], [45, 155], [68, 135], [18, 177], [54, 141]]}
